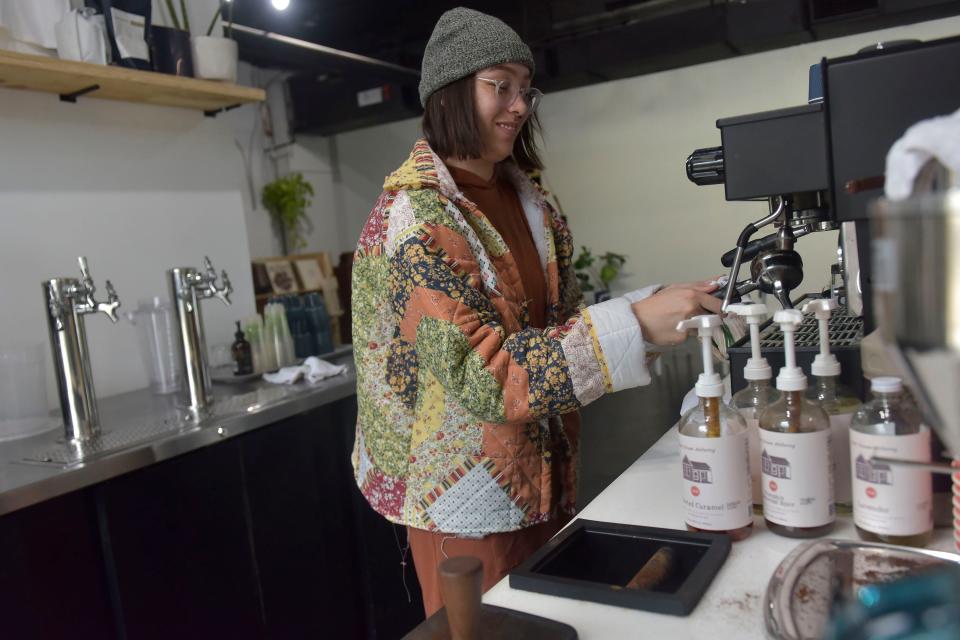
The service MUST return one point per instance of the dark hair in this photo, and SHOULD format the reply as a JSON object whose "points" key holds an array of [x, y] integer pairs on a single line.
{"points": [[452, 132]]}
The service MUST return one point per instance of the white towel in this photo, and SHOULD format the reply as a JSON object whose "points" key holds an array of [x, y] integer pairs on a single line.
{"points": [[937, 138], [313, 369], [318, 369]]}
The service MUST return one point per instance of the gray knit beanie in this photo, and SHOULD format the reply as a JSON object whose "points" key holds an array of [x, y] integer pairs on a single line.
{"points": [[465, 41]]}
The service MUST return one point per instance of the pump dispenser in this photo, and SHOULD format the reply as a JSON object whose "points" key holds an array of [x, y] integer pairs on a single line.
{"points": [[758, 394], [795, 464], [839, 402], [714, 452]]}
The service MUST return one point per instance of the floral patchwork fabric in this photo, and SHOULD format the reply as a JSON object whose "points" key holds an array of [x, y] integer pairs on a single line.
{"points": [[468, 418]]}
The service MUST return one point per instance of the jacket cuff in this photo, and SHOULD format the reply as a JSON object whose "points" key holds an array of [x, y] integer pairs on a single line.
{"points": [[618, 341]]}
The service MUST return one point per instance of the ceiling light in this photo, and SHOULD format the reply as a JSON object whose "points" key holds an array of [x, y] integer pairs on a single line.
{"points": [[280, 5]]}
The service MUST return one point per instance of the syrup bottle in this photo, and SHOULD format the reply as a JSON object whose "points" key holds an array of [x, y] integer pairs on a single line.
{"points": [[757, 395], [892, 504], [714, 452], [838, 401], [795, 464]]}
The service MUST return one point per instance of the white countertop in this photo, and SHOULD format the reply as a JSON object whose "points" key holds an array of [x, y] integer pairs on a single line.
{"points": [[648, 493]]}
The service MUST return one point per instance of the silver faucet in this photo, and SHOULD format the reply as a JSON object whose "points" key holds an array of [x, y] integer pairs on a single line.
{"points": [[67, 301], [188, 286]]}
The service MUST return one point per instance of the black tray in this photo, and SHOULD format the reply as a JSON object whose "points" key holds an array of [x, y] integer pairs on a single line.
{"points": [[592, 561]]}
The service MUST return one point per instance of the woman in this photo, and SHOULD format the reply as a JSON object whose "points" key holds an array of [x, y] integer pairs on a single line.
{"points": [[472, 355]]}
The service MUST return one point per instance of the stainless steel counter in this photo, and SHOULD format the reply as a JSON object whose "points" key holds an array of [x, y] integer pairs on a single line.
{"points": [[141, 428]]}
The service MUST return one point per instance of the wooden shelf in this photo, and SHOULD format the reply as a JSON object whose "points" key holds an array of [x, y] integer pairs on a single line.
{"points": [[71, 80]]}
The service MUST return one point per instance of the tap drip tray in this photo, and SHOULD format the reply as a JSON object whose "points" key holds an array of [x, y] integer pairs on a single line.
{"points": [[66, 454], [597, 561]]}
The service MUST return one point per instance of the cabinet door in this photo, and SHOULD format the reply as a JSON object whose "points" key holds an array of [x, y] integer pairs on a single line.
{"points": [[52, 579], [296, 477], [181, 549], [392, 599]]}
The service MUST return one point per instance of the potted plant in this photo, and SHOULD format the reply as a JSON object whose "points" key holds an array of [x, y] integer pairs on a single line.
{"points": [[215, 57], [286, 200], [596, 273], [170, 46]]}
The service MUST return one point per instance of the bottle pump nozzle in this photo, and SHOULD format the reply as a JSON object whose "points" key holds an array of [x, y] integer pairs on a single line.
{"points": [[825, 363], [757, 366], [709, 384], [791, 376]]}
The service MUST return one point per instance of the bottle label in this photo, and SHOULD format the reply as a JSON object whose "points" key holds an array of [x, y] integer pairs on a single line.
{"points": [[797, 476], [891, 500], [716, 482], [840, 451], [753, 438]]}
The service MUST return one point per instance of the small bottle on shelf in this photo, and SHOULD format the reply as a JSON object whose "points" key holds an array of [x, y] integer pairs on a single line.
{"points": [[891, 504], [795, 465], [757, 395], [836, 399], [714, 452], [242, 354]]}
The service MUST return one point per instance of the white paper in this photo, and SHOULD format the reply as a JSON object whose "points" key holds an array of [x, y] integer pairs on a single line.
{"points": [[129, 29]]}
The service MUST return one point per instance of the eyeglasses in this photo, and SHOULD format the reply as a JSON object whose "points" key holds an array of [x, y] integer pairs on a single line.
{"points": [[507, 93]]}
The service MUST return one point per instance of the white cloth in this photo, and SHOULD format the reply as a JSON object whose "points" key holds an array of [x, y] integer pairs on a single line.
{"points": [[937, 138], [33, 21], [621, 340], [313, 369]]}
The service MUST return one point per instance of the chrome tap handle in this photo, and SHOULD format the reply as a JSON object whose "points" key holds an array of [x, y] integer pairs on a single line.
{"points": [[110, 306], [211, 272], [87, 287], [226, 288], [87, 302]]}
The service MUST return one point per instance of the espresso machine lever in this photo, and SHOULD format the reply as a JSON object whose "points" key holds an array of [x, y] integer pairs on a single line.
{"points": [[67, 301]]}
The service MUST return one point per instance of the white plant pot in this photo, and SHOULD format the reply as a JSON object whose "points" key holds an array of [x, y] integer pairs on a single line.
{"points": [[215, 58]]}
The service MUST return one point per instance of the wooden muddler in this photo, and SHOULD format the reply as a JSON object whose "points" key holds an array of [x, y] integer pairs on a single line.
{"points": [[657, 569], [461, 583]]}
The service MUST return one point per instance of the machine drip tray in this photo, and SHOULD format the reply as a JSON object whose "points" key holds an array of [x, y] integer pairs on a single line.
{"points": [[595, 561]]}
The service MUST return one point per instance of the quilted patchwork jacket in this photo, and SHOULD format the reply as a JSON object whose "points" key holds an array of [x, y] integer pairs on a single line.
{"points": [[468, 418]]}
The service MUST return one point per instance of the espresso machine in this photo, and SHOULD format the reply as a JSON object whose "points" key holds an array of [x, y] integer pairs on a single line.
{"points": [[819, 166]]}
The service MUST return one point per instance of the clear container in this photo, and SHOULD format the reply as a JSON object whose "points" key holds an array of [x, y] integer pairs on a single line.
{"points": [[888, 498], [23, 392], [157, 333], [793, 413], [750, 402], [840, 403], [728, 469]]}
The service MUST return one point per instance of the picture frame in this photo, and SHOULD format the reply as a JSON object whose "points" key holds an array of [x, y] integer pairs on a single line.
{"points": [[282, 278]]}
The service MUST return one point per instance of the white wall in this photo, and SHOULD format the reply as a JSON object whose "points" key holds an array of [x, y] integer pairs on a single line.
{"points": [[615, 158]]}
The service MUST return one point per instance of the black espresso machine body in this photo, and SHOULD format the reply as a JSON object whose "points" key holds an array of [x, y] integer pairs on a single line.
{"points": [[825, 161]]}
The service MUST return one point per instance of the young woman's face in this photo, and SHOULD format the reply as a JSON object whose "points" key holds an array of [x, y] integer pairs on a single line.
{"points": [[500, 109]]}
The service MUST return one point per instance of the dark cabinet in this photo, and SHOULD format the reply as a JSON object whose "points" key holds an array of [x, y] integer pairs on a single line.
{"points": [[53, 582], [261, 536], [180, 548], [298, 483]]}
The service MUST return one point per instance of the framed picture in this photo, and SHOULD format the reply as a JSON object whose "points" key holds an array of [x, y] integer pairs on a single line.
{"points": [[311, 277], [282, 278]]}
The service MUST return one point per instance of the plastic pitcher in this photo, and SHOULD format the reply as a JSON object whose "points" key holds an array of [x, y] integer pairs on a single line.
{"points": [[156, 329], [23, 392]]}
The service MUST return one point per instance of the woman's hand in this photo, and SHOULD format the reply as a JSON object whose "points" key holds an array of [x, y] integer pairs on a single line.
{"points": [[659, 314], [706, 286]]}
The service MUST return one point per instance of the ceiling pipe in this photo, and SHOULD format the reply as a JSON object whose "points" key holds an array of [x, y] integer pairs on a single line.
{"points": [[330, 51]]}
